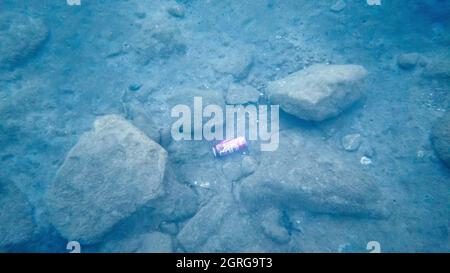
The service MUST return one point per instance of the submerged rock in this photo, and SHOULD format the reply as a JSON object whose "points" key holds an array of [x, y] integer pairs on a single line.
{"points": [[176, 11], [157, 112], [205, 223], [238, 233], [272, 227], [21, 36], [112, 171], [16, 215], [220, 227], [140, 15], [408, 60], [154, 242], [438, 70], [440, 137], [232, 170], [139, 116], [169, 228], [238, 61], [351, 142], [365, 161], [318, 92], [340, 5], [242, 95], [134, 86], [177, 201], [306, 174], [248, 165], [162, 41], [235, 170]]}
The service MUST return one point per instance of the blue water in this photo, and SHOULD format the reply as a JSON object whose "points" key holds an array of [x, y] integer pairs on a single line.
{"points": [[64, 66]]}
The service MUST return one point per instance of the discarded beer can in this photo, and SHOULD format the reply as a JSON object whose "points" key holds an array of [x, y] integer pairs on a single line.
{"points": [[229, 146]]}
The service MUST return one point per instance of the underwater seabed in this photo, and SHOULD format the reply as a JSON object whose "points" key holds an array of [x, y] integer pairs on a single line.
{"points": [[88, 162]]}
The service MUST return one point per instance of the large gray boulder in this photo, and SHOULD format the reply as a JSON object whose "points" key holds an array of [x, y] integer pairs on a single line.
{"points": [[16, 215], [318, 92], [305, 174], [440, 138], [20, 37], [112, 171]]}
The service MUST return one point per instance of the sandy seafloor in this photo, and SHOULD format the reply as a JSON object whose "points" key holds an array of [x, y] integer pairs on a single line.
{"points": [[95, 55]]}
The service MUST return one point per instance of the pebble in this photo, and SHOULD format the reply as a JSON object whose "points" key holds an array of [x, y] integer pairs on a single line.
{"points": [[135, 87], [140, 15], [339, 6], [351, 142], [365, 161], [176, 11], [408, 61]]}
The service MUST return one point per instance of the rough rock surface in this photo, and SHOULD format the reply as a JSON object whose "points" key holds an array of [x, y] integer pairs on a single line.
{"points": [[177, 11], [16, 215], [236, 233], [154, 242], [177, 201], [351, 142], [306, 174], [232, 170], [88, 68], [242, 95], [339, 6], [318, 92], [21, 36], [205, 223], [159, 42], [112, 171], [236, 61], [248, 165], [220, 227], [438, 70], [157, 110], [272, 227], [408, 60], [440, 138]]}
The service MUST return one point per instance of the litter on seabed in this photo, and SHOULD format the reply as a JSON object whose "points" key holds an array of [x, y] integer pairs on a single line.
{"points": [[230, 146]]}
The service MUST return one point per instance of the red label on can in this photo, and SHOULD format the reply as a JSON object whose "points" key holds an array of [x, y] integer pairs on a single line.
{"points": [[230, 146]]}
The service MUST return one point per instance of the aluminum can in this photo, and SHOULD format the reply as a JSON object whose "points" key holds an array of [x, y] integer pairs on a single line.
{"points": [[230, 146]]}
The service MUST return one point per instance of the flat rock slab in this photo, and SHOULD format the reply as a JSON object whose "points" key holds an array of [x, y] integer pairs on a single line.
{"points": [[306, 174], [112, 171], [318, 92]]}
